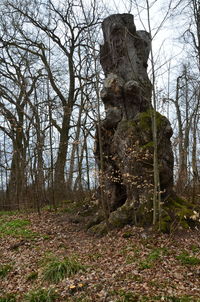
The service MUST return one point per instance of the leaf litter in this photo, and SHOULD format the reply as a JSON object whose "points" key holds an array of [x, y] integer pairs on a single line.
{"points": [[144, 266]]}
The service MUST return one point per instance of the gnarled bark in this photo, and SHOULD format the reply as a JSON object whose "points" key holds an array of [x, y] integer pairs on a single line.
{"points": [[126, 132]]}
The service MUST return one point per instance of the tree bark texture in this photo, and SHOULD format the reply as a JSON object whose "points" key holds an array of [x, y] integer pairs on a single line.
{"points": [[126, 131]]}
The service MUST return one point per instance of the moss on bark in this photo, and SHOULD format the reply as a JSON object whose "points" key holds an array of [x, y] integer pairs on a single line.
{"points": [[176, 213]]}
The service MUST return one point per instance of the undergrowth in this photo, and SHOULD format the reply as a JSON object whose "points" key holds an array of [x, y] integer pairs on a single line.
{"points": [[154, 255], [41, 295], [16, 228], [126, 296], [4, 270], [186, 259], [58, 269], [8, 298], [32, 276], [8, 213]]}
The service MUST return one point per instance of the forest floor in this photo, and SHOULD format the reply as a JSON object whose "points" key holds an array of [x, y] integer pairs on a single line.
{"points": [[132, 264]]}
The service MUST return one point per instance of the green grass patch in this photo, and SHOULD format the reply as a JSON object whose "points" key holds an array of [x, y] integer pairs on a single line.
{"points": [[175, 299], [131, 253], [82, 205], [186, 259], [8, 213], [58, 269], [41, 295], [8, 298], [32, 276], [145, 265], [81, 298], [195, 248], [16, 228], [70, 207], [126, 296], [154, 256], [4, 270]]}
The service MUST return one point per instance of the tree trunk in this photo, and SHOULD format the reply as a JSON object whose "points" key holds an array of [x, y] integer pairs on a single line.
{"points": [[125, 142]]}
